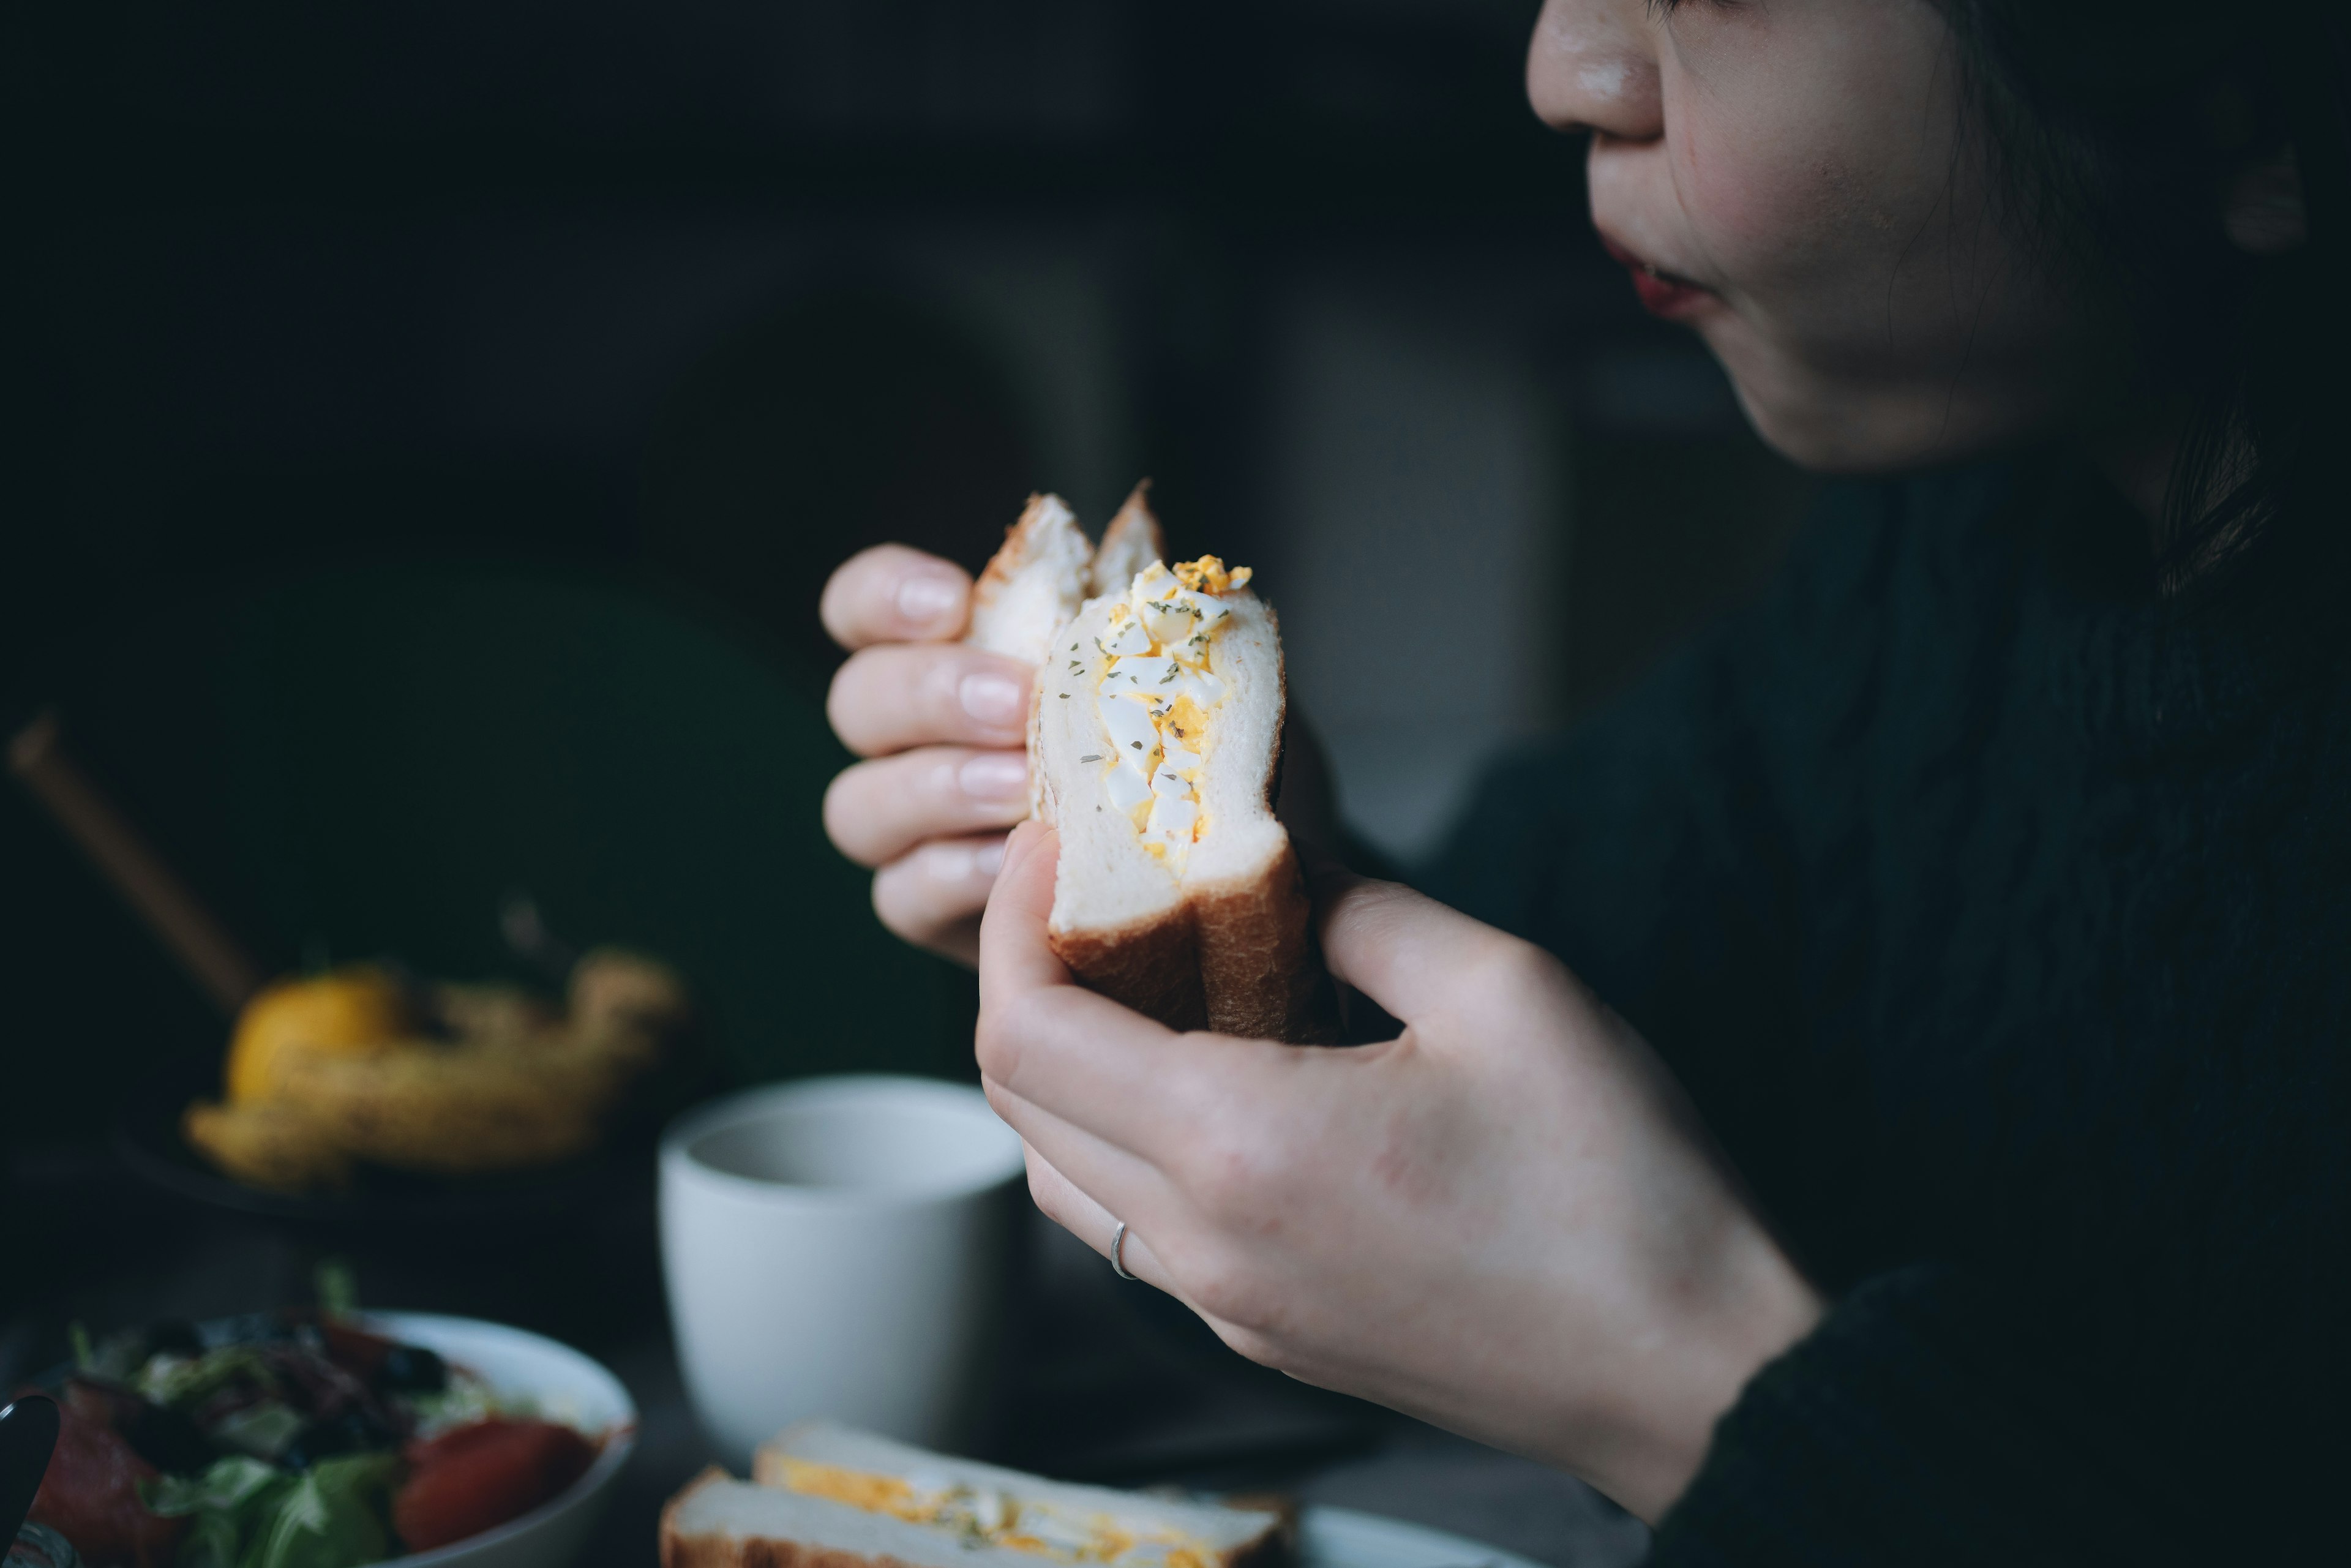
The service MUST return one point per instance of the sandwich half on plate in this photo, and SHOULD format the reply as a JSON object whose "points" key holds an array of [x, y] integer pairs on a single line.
{"points": [[1155, 751], [826, 1496]]}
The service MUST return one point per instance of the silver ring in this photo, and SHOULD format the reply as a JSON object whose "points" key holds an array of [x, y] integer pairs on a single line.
{"points": [[1117, 1246]]}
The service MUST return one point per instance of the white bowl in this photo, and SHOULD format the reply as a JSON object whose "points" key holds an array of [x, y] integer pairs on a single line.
{"points": [[566, 1387]]}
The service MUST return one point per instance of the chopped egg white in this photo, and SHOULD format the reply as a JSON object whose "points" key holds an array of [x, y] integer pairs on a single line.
{"points": [[1202, 687], [1128, 789], [1127, 640], [1134, 737], [1173, 818], [1155, 694]]}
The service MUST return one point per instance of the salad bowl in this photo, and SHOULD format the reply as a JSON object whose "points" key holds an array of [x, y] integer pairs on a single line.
{"points": [[300, 1440], [562, 1385]]}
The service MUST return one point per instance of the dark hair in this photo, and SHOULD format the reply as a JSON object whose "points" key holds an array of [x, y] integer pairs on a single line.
{"points": [[2116, 128]]}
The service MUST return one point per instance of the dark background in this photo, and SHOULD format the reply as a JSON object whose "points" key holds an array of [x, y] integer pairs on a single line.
{"points": [[427, 428], [424, 430]]}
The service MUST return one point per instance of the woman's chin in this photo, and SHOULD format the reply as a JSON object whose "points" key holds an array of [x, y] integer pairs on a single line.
{"points": [[1839, 427]]}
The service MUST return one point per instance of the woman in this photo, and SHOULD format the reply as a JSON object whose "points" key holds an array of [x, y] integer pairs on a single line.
{"points": [[1981, 892]]}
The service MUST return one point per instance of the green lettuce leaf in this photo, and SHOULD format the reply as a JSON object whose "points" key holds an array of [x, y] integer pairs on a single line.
{"points": [[182, 1381], [333, 1516], [224, 1506], [260, 1430]]}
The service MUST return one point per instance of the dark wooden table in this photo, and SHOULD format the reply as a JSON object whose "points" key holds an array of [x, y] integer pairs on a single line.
{"points": [[1116, 1384]]}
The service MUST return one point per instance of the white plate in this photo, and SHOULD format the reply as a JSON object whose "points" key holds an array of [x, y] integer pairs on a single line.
{"points": [[1342, 1538]]}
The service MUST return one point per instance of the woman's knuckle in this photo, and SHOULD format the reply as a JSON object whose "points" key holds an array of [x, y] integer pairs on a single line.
{"points": [[1047, 1195], [1227, 1289], [899, 906], [846, 816], [849, 703], [1252, 1345], [995, 1041], [1231, 1175], [1514, 968]]}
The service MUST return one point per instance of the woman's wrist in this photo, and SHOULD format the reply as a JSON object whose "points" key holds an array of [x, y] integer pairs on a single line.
{"points": [[1748, 1309]]}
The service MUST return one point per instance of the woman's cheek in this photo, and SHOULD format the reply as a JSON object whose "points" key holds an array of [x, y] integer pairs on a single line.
{"points": [[1774, 213]]}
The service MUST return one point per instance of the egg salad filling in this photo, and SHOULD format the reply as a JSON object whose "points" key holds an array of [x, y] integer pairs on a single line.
{"points": [[987, 1516], [1158, 696]]}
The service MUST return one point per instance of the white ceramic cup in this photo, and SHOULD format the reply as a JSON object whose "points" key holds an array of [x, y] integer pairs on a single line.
{"points": [[840, 1247]]}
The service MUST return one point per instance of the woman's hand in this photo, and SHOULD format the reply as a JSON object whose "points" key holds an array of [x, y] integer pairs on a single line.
{"points": [[942, 727], [1505, 1221]]}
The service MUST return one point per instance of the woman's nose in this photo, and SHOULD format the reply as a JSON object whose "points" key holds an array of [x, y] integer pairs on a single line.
{"points": [[1593, 66]]}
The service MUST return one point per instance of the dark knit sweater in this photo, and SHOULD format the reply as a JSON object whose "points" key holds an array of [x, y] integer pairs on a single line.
{"points": [[1999, 921]]}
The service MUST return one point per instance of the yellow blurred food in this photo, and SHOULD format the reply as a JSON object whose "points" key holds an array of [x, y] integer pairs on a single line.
{"points": [[351, 1067], [359, 1010]]}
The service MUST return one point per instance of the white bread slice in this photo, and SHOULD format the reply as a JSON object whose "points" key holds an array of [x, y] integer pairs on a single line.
{"points": [[1119, 919], [720, 1523], [1033, 585], [1224, 943], [1131, 543], [1210, 1536]]}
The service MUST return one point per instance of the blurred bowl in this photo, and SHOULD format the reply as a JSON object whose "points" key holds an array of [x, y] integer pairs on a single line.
{"points": [[566, 1387], [482, 1209]]}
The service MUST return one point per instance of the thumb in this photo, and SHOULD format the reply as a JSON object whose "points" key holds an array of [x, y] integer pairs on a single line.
{"points": [[1014, 955], [1403, 949]]}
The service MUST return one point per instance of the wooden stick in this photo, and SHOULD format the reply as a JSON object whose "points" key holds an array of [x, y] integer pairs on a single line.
{"points": [[209, 954]]}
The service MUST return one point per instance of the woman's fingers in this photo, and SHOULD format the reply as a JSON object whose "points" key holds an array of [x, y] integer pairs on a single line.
{"points": [[1046, 1038], [894, 594], [1027, 997], [931, 896], [876, 811], [895, 696], [1029, 1001], [1069, 1205], [1014, 958], [1405, 951]]}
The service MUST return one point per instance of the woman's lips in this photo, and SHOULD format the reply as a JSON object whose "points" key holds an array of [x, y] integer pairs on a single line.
{"points": [[1661, 292]]}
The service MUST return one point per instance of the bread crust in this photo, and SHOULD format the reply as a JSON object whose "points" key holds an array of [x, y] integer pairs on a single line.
{"points": [[1020, 542], [717, 1549], [1151, 965], [1262, 972], [1131, 542], [1033, 582]]}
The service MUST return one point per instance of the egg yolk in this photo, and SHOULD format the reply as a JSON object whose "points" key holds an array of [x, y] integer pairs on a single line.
{"points": [[1157, 696], [986, 1516]]}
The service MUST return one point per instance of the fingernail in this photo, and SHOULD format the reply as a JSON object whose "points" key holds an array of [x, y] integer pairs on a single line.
{"points": [[988, 858], [994, 699], [994, 776], [923, 600]]}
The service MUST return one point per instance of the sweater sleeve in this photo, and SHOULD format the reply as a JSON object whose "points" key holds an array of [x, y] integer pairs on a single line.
{"points": [[1669, 850], [1924, 1422]]}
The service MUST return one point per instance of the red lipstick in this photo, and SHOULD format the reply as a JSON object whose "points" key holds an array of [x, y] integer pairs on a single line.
{"points": [[1662, 293]]}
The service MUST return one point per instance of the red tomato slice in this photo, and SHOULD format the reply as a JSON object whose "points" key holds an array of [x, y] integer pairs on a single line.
{"points": [[91, 1494], [472, 1477]]}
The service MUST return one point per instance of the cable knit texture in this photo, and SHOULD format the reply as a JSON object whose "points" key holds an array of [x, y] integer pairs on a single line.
{"points": [[1999, 920]]}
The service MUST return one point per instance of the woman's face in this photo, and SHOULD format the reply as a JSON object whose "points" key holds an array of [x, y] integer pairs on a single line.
{"points": [[1796, 180]]}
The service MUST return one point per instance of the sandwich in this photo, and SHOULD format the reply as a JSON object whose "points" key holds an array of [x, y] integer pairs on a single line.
{"points": [[1034, 584], [825, 1496], [1154, 750]]}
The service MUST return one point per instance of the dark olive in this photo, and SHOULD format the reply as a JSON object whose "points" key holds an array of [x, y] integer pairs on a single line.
{"points": [[412, 1369], [348, 1431], [167, 1439]]}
